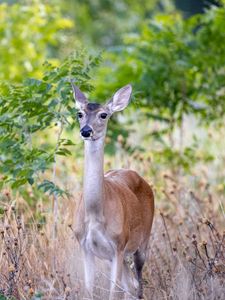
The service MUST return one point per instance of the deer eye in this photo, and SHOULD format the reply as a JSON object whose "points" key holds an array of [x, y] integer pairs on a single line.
{"points": [[103, 115], [79, 115]]}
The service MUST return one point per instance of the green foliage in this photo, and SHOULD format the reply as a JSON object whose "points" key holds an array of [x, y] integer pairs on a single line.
{"points": [[176, 65], [2, 297], [185, 159], [29, 32], [102, 23], [33, 108]]}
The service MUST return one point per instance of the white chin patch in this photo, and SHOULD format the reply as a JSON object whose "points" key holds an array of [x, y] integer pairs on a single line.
{"points": [[87, 138]]}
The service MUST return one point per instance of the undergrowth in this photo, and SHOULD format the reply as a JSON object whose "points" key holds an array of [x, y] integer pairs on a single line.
{"points": [[186, 258]]}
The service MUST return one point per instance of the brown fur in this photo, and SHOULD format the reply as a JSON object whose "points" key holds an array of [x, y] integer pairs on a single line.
{"points": [[128, 210]]}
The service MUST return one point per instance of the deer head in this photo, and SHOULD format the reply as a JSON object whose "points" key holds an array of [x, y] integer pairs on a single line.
{"points": [[93, 117]]}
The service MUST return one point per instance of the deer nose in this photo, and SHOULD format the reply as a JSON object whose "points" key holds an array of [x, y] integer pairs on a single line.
{"points": [[86, 131]]}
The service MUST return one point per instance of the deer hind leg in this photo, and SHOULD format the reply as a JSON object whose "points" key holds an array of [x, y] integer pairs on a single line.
{"points": [[139, 260], [89, 271], [129, 282]]}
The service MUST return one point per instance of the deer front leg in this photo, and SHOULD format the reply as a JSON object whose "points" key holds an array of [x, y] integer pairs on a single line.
{"points": [[116, 275], [89, 271]]}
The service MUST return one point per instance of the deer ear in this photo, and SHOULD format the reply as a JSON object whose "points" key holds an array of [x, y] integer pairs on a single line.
{"points": [[121, 98], [79, 97]]}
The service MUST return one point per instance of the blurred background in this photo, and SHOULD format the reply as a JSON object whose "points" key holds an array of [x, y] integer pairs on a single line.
{"points": [[172, 133], [172, 52]]}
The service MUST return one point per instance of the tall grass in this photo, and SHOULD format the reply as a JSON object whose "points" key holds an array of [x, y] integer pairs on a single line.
{"points": [[186, 258]]}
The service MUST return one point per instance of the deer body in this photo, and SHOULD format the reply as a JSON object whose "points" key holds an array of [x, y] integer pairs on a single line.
{"points": [[115, 213]]}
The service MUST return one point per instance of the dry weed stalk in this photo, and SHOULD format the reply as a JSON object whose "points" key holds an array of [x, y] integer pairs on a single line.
{"points": [[14, 267]]}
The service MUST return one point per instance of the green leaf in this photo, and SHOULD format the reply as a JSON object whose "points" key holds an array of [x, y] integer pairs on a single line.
{"points": [[64, 152], [30, 180], [51, 188], [18, 183]]}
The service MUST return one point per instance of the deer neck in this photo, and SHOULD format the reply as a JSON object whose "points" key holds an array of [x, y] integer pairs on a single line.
{"points": [[93, 188]]}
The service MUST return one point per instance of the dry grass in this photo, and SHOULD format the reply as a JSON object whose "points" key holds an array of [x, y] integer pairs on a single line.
{"points": [[186, 253], [186, 258]]}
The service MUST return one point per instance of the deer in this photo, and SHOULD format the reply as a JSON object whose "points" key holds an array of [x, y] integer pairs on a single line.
{"points": [[115, 213]]}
